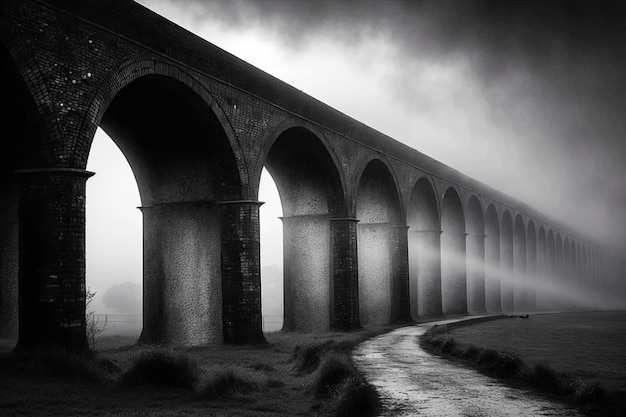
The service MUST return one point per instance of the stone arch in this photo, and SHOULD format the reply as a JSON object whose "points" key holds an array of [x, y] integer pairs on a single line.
{"points": [[492, 260], [424, 250], [377, 210], [520, 284], [531, 267], [541, 279], [189, 177], [506, 262], [311, 192], [130, 72], [573, 262], [475, 223], [453, 254], [566, 269], [273, 134]]}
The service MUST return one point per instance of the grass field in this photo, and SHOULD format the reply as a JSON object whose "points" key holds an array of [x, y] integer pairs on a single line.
{"points": [[591, 345], [578, 357], [286, 376]]}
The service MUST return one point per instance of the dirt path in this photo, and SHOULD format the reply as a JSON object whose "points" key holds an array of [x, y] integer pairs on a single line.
{"points": [[414, 382]]}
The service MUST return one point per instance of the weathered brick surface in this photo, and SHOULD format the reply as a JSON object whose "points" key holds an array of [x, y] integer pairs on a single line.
{"points": [[241, 272], [52, 258], [345, 269]]}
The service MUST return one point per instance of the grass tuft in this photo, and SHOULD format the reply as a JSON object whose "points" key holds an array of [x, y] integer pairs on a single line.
{"points": [[544, 377], [333, 371], [161, 368], [354, 397], [233, 382], [307, 357]]}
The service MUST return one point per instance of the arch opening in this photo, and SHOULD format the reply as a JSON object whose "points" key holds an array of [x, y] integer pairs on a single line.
{"points": [[506, 262], [475, 257], [311, 194], [424, 251], [520, 278], [377, 210], [453, 255], [185, 171], [271, 254], [492, 261], [532, 268]]}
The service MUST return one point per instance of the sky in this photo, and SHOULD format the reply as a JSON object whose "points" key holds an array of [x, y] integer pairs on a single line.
{"points": [[528, 97]]}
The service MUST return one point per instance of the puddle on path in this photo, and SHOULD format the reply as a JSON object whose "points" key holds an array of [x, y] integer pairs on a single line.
{"points": [[412, 382]]}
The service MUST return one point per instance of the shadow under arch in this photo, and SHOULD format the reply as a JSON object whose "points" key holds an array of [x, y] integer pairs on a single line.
{"points": [[475, 256], [20, 147], [492, 260], [506, 262], [187, 175], [311, 193], [379, 214], [424, 250], [453, 254]]}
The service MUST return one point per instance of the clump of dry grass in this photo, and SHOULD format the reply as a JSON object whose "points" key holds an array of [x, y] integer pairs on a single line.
{"points": [[355, 397], [233, 382], [161, 368]]}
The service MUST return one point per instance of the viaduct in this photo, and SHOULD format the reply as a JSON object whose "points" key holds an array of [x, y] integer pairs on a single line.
{"points": [[374, 231]]}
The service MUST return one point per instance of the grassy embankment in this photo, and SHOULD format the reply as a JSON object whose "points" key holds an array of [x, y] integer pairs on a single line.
{"points": [[293, 374], [578, 358]]}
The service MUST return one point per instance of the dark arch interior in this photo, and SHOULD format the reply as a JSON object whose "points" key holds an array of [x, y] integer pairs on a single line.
{"points": [[305, 174], [475, 220], [452, 219], [423, 213], [377, 199], [173, 141]]}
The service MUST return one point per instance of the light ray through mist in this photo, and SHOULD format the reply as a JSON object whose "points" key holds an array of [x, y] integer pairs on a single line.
{"points": [[559, 291]]}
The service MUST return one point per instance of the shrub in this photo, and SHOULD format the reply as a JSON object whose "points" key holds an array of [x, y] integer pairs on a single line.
{"points": [[471, 352], [587, 392], [307, 358], [230, 381], [544, 377], [332, 372], [448, 345], [162, 368], [355, 397], [500, 364]]}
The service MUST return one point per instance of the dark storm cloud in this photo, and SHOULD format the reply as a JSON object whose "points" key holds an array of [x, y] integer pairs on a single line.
{"points": [[551, 72]]}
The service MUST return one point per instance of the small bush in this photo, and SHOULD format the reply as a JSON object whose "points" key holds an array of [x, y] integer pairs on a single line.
{"points": [[307, 358], [587, 392], [355, 397], [332, 372], [470, 353], [162, 368], [448, 345], [232, 382], [544, 377], [500, 364]]}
